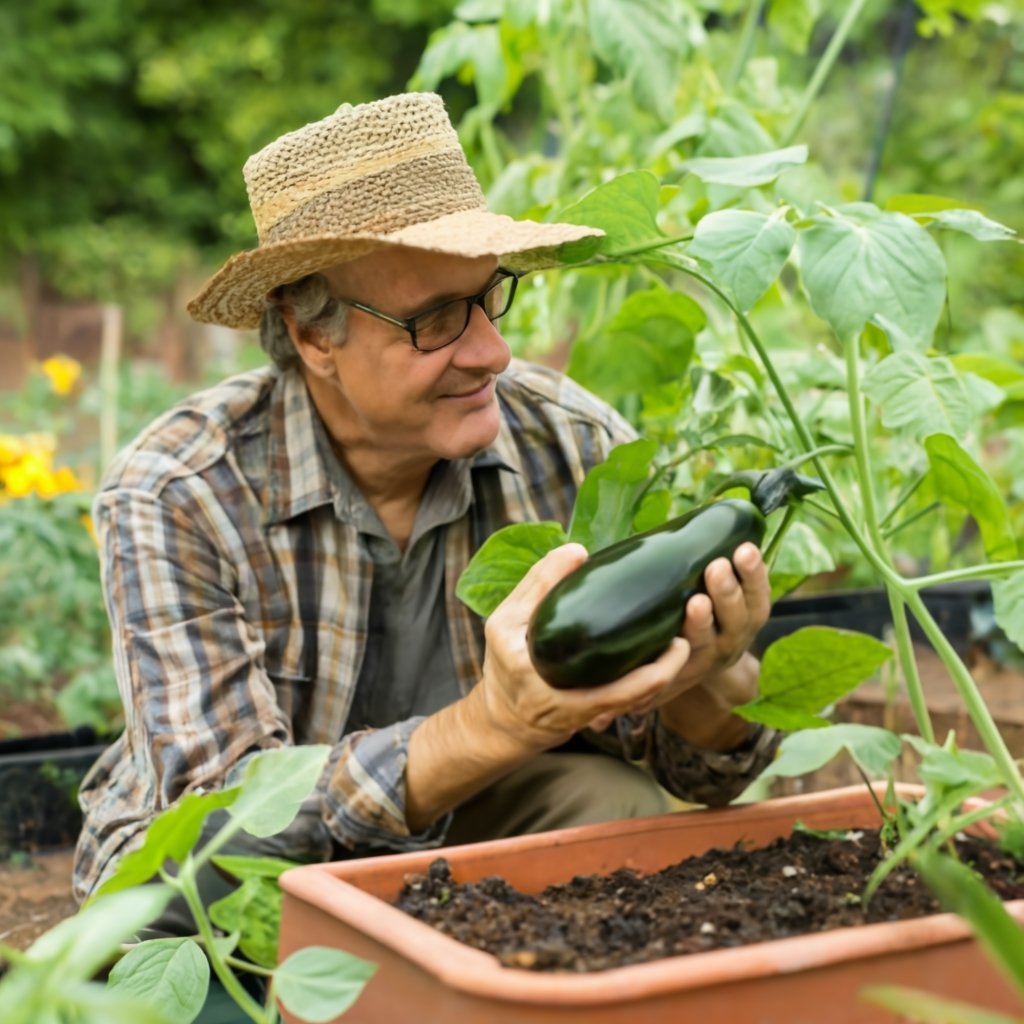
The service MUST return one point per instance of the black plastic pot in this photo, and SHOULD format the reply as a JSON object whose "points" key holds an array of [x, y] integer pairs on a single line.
{"points": [[39, 780]]}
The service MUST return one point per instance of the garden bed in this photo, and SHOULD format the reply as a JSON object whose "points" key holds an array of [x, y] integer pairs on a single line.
{"points": [[797, 885]]}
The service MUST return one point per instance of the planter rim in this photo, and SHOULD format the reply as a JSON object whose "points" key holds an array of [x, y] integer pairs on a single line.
{"points": [[475, 972]]}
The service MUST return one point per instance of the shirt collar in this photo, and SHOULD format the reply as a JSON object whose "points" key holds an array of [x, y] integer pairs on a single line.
{"points": [[301, 478]]}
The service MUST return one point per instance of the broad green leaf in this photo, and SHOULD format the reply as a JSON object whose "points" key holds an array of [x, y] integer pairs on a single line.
{"points": [[503, 560], [459, 48], [79, 946], [274, 785], [800, 753], [606, 502], [254, 867], [254, 911], [654, 510], [960, 890], [745, 250], [649, 342], [171, 836], [801, 554], [746, 171], [1005, 374], [319, 984], [961, 481], [644, 41], [171, 975], [912, 1004], [920, 203], [806, 671], [63, 1001], [919, 395], [857, 263], [792, 21], [624, 209], [1008, 602], [973, 223]]}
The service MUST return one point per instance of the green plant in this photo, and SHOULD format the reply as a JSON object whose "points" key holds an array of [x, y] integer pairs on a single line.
{"points": [[165, 981]]}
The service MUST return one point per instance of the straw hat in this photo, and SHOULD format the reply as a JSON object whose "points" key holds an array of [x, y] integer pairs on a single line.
{"points": [[390, 172]]}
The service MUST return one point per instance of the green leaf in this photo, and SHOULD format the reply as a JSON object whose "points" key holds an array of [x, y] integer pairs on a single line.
{"points": [[950, 767], [241, 867], [922, 204], [606, 502], [319, 984], [625, 209], [920, 395], [171, 975], [644, 41], [792, 21], [79, 946], [801, 554], [649, 342], [655, 509], [745, 250], [911, 1004], [1006, 374], [1008, 602], [503, 560], [973, 223], [746, 171], [471, 52], [801, 753], [960, 890], [959, 480], [254, 911], [274, 785], [806, 671], [171, 836], [858, 263]]}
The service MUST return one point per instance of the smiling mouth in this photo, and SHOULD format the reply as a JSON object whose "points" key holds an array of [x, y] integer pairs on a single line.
{"points": [[473, 391]]}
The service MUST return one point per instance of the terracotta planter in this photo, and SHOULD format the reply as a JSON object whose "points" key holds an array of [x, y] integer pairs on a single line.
{"points": [[424, 976]]}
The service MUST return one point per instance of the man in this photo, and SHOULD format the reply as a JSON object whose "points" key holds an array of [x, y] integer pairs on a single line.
{"points": [[280, 552]]}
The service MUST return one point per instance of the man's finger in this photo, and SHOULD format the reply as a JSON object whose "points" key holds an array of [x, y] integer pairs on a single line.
{"points": [[541, 577]]}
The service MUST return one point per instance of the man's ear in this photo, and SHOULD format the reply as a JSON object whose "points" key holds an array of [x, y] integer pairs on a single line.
{"points": [[313, 347]]}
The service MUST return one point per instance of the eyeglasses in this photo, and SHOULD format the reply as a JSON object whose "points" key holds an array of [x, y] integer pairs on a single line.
{"points": [[445, 323]]}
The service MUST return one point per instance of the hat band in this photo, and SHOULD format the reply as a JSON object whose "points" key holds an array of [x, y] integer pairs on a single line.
{"points": [[408, 193]]}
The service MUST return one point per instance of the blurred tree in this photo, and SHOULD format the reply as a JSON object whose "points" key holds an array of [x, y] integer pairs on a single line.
{"points": [[124, 123]]}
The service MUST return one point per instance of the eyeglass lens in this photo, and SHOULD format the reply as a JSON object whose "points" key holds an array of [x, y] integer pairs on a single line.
{"points": [[442, 326]]}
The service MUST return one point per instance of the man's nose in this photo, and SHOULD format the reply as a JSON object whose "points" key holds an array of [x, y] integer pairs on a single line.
{"points": [[481, 345]]}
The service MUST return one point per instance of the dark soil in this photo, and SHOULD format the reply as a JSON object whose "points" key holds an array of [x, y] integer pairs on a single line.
{"points": [[795, 886]]}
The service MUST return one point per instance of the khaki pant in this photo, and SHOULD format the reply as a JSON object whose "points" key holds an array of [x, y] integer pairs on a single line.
{"points": [[558, 790]]}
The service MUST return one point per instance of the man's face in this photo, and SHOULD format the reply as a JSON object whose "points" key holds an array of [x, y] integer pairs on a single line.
{"points": [[389, 398]]}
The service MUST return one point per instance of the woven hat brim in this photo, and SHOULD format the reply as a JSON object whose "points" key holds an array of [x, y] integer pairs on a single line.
{"points": [[234, 296]]}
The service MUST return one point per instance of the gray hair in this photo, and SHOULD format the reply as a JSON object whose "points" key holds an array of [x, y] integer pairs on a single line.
{"points": [[313, 308]]}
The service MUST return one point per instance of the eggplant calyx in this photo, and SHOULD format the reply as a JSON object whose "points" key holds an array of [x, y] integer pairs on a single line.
{"points": [[772, 488]]}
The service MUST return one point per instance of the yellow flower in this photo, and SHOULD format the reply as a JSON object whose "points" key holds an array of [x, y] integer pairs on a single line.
{"points": [[21, 479], [50, 484], [63, 372], [11, 449]]}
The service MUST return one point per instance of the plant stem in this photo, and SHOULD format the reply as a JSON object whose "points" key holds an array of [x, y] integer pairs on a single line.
{"points": [[910, 520], [991, 570], [967, 688], [821, 72], [825, 449], [185, 883], [908, 664], [746, 44], [902, 500], [248, 965], [773, 544]]}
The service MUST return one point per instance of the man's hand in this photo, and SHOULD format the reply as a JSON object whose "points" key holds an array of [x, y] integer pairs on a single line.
{"points": [[525, 710]]}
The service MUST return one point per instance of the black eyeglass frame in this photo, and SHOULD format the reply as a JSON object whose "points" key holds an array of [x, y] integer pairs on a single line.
{"points": [[409, 323]]}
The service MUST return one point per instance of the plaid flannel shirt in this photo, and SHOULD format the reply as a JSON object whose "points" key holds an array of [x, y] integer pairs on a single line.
{"points": [[238, 602]]}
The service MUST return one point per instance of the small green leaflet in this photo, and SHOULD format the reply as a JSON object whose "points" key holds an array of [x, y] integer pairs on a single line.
{"points": [[913, 1004], [801, 554], [242, 867], [745, 250], [460, 47], [254, 911], [791, 22], [919, 395], [274, 785], [625, 209], [950, 767], [958, 479], [857, 263], [801, 753], [171, 975], [503, 560], [606, 502], [746, 171], [318, 984], [973, 223], [806, 671], [170, 836]]}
